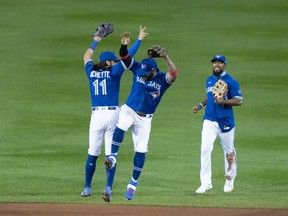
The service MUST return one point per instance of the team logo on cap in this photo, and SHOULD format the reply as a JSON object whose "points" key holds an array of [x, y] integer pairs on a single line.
{"points": [[143, 66]]}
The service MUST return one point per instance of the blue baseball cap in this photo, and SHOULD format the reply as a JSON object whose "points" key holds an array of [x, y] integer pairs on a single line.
{"points": [[107, 56], [219, 57], [147, 65]]}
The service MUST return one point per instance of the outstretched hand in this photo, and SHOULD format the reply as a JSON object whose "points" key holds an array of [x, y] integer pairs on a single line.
{"points": [[125, 38], [142, 33], [195, 109]]}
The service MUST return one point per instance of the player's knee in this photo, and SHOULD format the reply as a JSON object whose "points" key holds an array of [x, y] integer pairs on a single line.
{"points": [[118, 135], [141, 149], [206, 150], [93, 153]]}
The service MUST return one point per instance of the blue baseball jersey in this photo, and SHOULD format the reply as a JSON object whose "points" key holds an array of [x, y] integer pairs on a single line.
{"points": [[104, 85], [146, 95], [222, 114]]}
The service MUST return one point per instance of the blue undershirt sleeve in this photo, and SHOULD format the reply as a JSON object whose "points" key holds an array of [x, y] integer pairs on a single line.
{"points": [[134, 48]]}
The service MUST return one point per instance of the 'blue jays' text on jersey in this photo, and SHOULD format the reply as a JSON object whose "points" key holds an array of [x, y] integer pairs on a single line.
{"points": [[221, 113], [146, 95], [104, 84]]}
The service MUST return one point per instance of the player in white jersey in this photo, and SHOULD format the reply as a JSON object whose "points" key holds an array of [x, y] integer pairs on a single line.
{"points": [[219, 121], [104, 83], [149, 85]]}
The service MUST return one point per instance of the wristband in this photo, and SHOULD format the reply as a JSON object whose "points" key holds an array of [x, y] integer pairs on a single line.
{"points": [[174, 73], [124, 57], [93, 45], [200, 106]]}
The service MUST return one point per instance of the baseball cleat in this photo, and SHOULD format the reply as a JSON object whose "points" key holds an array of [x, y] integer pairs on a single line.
{"points": [[131, 187], [107, 194], [203, 189], [110, 162], [229, 186], [86, 192]]}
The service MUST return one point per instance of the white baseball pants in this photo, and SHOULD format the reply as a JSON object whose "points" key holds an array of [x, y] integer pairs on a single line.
{"points": [[102, 125], [140, 126], [210, 131]]}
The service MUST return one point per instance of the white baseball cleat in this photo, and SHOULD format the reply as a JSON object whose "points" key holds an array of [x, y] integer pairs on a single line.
{"points": [[229, 185], [203, 188]]}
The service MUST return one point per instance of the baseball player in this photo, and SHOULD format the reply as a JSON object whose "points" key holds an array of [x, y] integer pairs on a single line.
{"points": [[104, 83], [219, 121], [149, 86]]}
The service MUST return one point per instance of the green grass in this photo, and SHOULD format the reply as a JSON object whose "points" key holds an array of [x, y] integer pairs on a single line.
{"points": [[45, 107]]}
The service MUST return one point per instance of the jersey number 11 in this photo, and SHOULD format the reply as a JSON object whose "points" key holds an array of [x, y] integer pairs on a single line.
{"points": [[100, 86]]}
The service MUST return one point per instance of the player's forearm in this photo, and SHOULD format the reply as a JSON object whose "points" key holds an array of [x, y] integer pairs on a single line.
{"points": [[230, 102], [172, 70], [89, 52], [199, 106], [134, 48], [124, 55], [202, 104], [171, 66]]}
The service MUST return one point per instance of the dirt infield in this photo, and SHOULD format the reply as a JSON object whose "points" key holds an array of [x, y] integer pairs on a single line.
{"points": [[123, 210]]}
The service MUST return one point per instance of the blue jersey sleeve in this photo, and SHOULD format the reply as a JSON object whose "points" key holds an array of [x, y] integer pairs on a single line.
{"points": [[134, 48], [134, 66], [117, 70], [88, 67], [234, 89]]}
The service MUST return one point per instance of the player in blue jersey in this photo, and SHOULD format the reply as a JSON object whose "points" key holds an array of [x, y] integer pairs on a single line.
{"points": [[219, 121], [149, 86], [104, 83]]}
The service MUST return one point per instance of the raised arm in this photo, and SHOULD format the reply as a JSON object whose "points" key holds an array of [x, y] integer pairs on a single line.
{"points": [[172, 70], [89, 52], [123, 52], [135, 46], [157, 51]]}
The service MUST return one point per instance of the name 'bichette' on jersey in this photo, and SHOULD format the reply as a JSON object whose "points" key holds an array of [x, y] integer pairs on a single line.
{"points": [[217, 112], [151, 91]]}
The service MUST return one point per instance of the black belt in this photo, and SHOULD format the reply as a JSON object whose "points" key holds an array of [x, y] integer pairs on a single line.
{"points": [[104, 108], [143, 114]]}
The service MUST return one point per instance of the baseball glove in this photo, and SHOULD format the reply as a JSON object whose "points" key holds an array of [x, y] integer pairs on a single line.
{"points": [[104, 29], [156, 51], [219, 89]]}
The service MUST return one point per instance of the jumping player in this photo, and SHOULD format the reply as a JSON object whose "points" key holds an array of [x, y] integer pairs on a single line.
{"points": [[104, 84], [219, 121], [149, 86]]}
